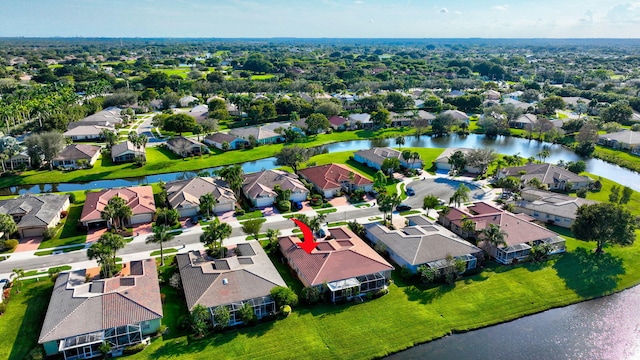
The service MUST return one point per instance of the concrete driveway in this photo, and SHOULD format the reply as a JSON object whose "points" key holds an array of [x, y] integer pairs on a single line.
{"points": [[441, 187]]}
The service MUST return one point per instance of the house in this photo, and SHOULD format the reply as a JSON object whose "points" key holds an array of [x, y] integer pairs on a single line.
{"points": [[138, 198], [21, 160], [625, 140], [69, 156], [521, 233], [344, 266], [259, 187], [549, 207], [423, 243], [35, 214], [87, 132], [492, 95], [442, 162], [375, 157], [338, 122], [188, 100], [127, 151], [219, 139], [362, 121], [199, 112], [457, 115], [109, 117], [333, 178], [404, 119], [231, 282], [524, 121], [517, 104], [261, 135], [184, 195], [514, 95], [555, 177], [425, 115], [184, 146], [121, 311]]}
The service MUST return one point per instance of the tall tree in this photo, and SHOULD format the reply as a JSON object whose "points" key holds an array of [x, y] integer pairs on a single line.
{"points": [[272, 236], [18, 274], [234, 176], [252, 227], [400, 141], [104, 251], [7, 225], [493, 235], [390, 165], [207, 203], [292, 156], [604, 223], [316, 123], [161, 234], [430, 202], [461, 195], [214, 235], [379, 180]]}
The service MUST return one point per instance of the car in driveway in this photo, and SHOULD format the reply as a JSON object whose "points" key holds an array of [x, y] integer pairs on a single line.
{"points": [[4, 283], [403, 207], [296, 205], [410, 191]]}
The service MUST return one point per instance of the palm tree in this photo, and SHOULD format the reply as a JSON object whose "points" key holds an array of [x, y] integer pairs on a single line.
{"points": [[102, 253], [494, 235], [461, 195], [160, 236], [500, 163], [207, 203], [108, 214], [215, 234], [469, 226], [400, 141], [272, 236], [114, 242], [414, 156], [18, 273]]}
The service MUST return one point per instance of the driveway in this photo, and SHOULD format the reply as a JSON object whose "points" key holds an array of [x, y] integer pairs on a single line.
{"points": [[441, 187], [28, 244]]}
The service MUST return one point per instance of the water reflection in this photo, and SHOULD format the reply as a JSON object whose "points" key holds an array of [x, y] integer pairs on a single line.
{"points": [[502, 144]]}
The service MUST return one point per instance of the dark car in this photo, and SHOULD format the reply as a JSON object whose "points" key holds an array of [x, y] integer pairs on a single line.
{"points": [[4, 283], [296, 205], [403, 207], [194, 220], [410, 191]]}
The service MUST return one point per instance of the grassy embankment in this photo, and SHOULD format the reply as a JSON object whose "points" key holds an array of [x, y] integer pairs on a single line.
{"points": [[161, 160]]}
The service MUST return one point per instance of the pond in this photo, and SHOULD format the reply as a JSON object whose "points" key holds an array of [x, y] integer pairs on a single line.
{"points": [[604, 328], [502, 144]]}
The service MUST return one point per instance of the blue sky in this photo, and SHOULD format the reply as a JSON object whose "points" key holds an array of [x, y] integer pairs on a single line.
{"points": [[321, 18]]}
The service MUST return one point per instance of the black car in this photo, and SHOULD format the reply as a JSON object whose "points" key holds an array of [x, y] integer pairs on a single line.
{"points": [[410, 191], [403, 207], [4, 283], [296, 205]]}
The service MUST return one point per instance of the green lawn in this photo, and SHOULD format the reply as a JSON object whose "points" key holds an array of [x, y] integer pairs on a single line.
{"points": [[326, 211], [69, 249], [250, 215], [20, 325], [68, 234], [160, 160], [164, 252], [262, 77]]}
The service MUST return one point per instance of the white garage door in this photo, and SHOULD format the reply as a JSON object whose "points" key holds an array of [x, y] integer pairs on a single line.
{"points": [[27, 233]]}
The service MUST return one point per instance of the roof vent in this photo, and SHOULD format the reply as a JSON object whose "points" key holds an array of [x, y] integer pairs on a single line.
{"points": [[225, 281]]}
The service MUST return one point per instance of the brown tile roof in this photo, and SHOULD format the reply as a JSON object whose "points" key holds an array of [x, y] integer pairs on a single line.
{"points": [[77, 307], [341, 258], [330, 176], [337, 121], [78, 151], [519, 229], [138, 198]]}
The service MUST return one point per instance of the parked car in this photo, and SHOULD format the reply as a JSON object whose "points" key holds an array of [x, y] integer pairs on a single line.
{"points": [[296, 205], [4, 283], [194, 220], [403, 207], [441, 202], [410, 191]]}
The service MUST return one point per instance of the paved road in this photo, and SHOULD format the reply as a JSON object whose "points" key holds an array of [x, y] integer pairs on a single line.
{"points": [[440, 187]]}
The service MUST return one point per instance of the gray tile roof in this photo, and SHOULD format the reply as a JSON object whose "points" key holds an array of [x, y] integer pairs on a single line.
{"points": [[259, 133], [86, 130], [37, 210], [421, 244], [110, 114], [184, 193], [261, 183], [550, 203], [121, 148], [204, 280], [631, 138], [546, 173], [221, 138], [77, 308]]}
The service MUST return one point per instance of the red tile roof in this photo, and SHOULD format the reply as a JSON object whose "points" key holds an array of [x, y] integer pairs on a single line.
{"points": [[336, 120], [330, 176], [344, 257], [138, 198]]}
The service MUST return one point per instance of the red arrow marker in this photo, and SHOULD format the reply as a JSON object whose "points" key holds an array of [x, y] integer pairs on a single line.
{"points": [[308, 244]]}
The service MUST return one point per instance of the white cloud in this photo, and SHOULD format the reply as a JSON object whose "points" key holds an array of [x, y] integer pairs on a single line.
{"points": [[458, 12], [625, 13], [501, 7], [587, 17], [444, 10], [358, 2]]}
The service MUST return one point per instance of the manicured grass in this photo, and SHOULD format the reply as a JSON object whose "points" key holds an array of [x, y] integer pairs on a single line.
{"points": [[410, 212], [338, 223], [36, 272], [260, 236], [327, 211], [262, 77], [412, 314], [21, 323], [619, 157], [164, 252], [160, 160], [250, 215], [68, 234]]}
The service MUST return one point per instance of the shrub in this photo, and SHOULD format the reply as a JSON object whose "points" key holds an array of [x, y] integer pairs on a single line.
{"points": [[285, 310], [406, 273], [133, 349], [49, 233], [175, 282], [162, 329], [581, 193], [311, 295], [37, 353], [72, 198], [11, 244], [239, 212], [284, 296], [284, 206]]}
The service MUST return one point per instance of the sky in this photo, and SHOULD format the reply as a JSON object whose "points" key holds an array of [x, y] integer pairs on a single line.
{"points": [[321, 18]]}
